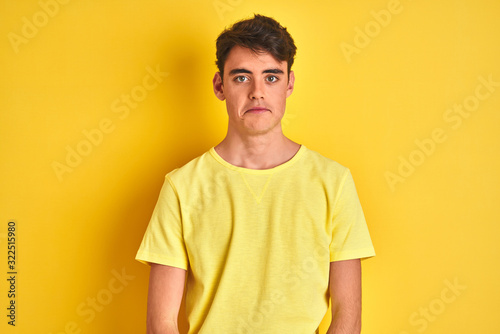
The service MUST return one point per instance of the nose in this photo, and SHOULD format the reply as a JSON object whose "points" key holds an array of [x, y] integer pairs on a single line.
{"points": [[257, 90]]}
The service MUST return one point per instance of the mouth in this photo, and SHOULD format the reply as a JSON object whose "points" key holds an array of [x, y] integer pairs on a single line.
{"points": [[257, 110]]}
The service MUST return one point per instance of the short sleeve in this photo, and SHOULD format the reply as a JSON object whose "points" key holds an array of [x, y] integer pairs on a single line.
{"points": [[351, 238], [163, 241]]}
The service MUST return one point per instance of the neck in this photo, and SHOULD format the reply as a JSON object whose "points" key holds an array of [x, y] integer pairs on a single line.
{"points": [[259, 151]]}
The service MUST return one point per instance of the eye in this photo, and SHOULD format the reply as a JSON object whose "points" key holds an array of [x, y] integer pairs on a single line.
{"points": [[240, 78], [272, 78]]}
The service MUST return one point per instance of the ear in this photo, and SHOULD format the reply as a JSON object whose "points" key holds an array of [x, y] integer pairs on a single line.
{"points": [[291, 82], [218, 86]]}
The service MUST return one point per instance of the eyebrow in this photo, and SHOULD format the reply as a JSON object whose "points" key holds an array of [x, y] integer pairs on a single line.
{"points": [[243, 70]]}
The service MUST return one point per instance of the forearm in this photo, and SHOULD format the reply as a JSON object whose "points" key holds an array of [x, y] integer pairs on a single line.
{"points": [[345, 323], [166, 286], [165, 331], [163, 328], [345, 290]]}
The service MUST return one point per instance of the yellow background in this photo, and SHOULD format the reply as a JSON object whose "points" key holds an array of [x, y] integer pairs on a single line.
{"points": [[365, 109]]}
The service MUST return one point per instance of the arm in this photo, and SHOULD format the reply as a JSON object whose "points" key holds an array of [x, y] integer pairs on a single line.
{"points": [[345, 291], [166, 287]]}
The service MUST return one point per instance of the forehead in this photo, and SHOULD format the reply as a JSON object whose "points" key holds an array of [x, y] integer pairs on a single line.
{"points": [[240, 57]]}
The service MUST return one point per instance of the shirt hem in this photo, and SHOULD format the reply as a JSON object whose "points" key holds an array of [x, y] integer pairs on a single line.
{"points": [[148, 258]]}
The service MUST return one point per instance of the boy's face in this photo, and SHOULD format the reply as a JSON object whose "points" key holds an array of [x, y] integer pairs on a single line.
{"points": [[255, 89]]}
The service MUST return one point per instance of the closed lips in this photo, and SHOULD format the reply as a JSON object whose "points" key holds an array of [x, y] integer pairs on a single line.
{"points": [[257, 109]]}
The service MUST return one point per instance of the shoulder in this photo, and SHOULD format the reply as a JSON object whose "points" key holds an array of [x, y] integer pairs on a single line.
{"points": [[324, 165], [199, 166]]}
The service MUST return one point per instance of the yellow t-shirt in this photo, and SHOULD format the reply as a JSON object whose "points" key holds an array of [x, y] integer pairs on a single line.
{"points": [[257, 244]]}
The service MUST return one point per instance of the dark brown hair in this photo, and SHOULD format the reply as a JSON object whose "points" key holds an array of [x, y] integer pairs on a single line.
{"points": [[259, 34]]}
